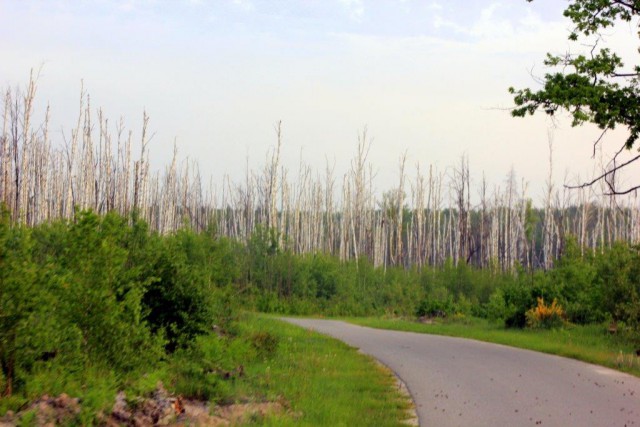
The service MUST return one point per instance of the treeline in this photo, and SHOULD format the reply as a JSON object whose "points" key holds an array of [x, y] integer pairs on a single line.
{"points": [[425, 220]]}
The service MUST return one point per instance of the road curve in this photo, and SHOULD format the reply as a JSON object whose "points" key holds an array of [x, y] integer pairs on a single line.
{"points": [[461, 382]]}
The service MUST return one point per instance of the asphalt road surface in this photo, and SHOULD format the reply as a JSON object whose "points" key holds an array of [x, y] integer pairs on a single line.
{"points": [[460, 382]]}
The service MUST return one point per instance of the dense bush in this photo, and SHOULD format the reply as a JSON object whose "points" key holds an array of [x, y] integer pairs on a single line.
{"points": [[186, 275], [102, 292], [25, 331], [105, 291], [545, 316], [575, 276], [281, 282], [618, 276], [591, 288], [435, 308]]}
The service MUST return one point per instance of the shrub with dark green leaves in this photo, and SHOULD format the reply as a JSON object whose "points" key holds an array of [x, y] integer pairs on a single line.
{"points": [[575, 276], [618, 275], [22, 304], [103, 294], [186, 296], [511, 301], [435, 308], [324, 272]]}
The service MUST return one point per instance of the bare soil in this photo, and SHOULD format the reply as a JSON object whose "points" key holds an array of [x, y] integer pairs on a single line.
{"points": [[159, 409]]}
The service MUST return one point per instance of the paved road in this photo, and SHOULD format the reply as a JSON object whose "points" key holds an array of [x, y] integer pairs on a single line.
{"points": [[459, 382]]}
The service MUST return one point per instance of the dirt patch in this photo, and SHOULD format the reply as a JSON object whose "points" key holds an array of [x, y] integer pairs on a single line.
{"points": [[159, 409], [49, 411], [199, 413], [427, 320], [168, 410]]}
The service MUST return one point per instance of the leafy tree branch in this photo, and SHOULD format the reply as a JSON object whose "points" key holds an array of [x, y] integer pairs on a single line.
{"points": [[594, 88]]}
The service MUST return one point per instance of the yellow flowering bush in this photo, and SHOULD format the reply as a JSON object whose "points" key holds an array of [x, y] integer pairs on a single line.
{"points": [[546, 316]]}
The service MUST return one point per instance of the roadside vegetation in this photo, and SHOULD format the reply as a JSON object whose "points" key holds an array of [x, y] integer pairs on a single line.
{"points": [[108, 315], [583, 288], [587, 307]]}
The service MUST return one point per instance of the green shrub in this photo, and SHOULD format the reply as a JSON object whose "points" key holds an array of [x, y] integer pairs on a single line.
{"points": [[575, 276], [324, 272], [103, 294], [31, 325], [435, 308], [497, 309], [86, 305], [187, 295], [21, 303], [270, 302], [618, 272]]}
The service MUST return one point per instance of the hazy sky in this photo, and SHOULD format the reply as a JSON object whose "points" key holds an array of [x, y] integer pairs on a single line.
{"points": [[428, 78]]}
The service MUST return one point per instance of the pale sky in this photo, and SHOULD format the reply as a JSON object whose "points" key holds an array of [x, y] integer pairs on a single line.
{"points": [[425, 77]]}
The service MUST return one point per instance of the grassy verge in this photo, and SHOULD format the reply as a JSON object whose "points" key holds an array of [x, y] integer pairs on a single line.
{"points": [[588, 343], [314, 380], [325, 382]]}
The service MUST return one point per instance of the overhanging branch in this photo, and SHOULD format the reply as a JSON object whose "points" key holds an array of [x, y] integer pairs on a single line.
{"points": [[622, 193], [605, 176]]}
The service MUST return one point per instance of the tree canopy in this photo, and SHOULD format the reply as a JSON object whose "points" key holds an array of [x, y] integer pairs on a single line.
{"points": [[594, 88]]}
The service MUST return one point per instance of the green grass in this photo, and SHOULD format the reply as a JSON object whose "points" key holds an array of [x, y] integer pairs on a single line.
{"points": [[318, 380], [323, 381], [589, 343]]}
